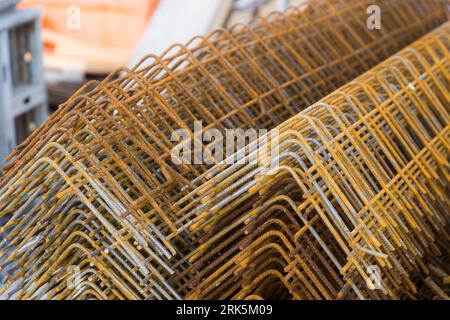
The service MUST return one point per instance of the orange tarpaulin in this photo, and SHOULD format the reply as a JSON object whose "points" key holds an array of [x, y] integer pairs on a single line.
{"points": [[91, 35]]}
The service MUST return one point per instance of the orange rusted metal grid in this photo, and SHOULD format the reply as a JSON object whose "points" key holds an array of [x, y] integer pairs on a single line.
{"points": [[361, 180], [95, 190]]}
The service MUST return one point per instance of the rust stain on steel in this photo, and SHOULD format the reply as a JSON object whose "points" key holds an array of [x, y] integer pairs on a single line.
{"points": [[91, 205]]}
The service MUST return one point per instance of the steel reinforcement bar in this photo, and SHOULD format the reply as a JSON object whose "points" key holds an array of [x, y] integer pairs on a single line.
{"points": [[91, 204], [355, 183]]}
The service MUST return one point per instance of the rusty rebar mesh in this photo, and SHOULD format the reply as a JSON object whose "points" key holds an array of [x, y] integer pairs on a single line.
{"points": [[95, 187], [362, 180]]}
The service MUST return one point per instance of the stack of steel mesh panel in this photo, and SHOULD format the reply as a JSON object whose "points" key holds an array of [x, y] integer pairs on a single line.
{"points": [[360, 180], [95, 190]]}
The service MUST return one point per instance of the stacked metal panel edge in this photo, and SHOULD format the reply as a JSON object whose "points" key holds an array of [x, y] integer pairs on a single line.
{"points": [[357, 182], [93, 207]]}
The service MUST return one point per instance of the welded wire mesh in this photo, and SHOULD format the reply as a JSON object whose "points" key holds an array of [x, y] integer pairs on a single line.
{"points": [[362, 181], [92, 198]]}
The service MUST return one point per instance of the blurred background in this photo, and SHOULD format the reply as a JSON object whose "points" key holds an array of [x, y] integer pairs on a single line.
{"points": [[50, 48]]}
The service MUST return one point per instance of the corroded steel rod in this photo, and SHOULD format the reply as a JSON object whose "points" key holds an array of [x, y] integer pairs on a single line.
{"points": [[361, 181], [92, 206]]}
